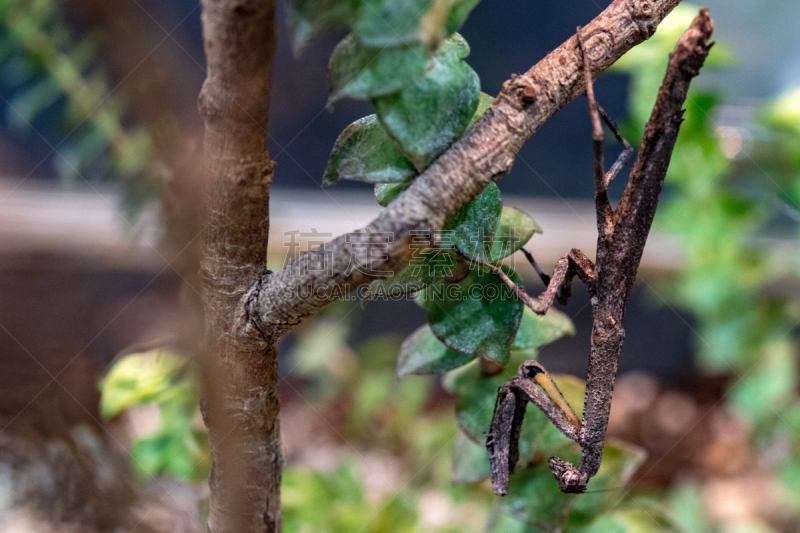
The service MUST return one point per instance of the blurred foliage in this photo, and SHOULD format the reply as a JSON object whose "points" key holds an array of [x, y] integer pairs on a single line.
{"points": [[729, 187], [52, 75], [171, 383], [410, 419], [315, 502]]}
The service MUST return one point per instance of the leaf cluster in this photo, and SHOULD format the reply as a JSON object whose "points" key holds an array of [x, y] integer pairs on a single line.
{"points": [[169, 382], [50, 71]]}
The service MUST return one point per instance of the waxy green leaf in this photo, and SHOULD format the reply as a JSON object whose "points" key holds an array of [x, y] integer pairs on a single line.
{"points": [[479, 315], [386, 192], [356, 71], [533, 493], [443, 18], [458, 15], [418, 274], [309, 18], [469, 461], [390, 22], [393, 22], [484, 102], [537, 330], [423, 353], [472, 228], [431, 113], [364, 152], [514, 229]]}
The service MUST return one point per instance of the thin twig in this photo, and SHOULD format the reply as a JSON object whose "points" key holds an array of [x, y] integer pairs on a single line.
{"points": [[483, 155]]}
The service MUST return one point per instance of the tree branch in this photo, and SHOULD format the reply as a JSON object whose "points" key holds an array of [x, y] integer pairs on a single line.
{"points": [[483, 155], [620, 243], [240, 405]]}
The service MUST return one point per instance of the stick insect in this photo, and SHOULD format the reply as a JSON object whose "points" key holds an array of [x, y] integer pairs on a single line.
{"points": [[622, 233]]}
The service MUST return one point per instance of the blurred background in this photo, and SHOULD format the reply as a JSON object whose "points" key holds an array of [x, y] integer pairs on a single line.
{"points": [[99, 147]]}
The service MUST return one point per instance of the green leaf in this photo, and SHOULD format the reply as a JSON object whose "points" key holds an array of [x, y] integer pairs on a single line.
{"points": [[472, 228], [420, 272], [536, 330], [364, 152], [458, 15], [476, 399], [639, 517], [422, 353], [356, 71], [427, 116], [393, 22], [136, 379], [502, 523], [149, 454], [469, 461], [514, 229], [784, 111], [443, 18], [769, 386], [533, 494], [620, 462], [479, 315], [309, 18], [484, 102], [390, 22], [685, 501], [386, 192]]}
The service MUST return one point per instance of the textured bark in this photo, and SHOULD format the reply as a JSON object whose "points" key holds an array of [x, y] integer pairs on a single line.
{"points": [[622, 234], [241, 404], [483, 155]]}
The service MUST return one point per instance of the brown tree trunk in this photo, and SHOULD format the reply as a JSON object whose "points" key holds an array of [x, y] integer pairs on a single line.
{"points": [[241, 403]]}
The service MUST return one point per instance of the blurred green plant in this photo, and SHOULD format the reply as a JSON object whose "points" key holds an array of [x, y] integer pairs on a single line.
{"points": [[404, 417], [337, 503], [171, 383], [48, 72]]}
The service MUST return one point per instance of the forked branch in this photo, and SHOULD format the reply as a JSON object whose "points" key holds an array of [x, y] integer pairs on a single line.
{"points": [[483, 155], [622, 234]]}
